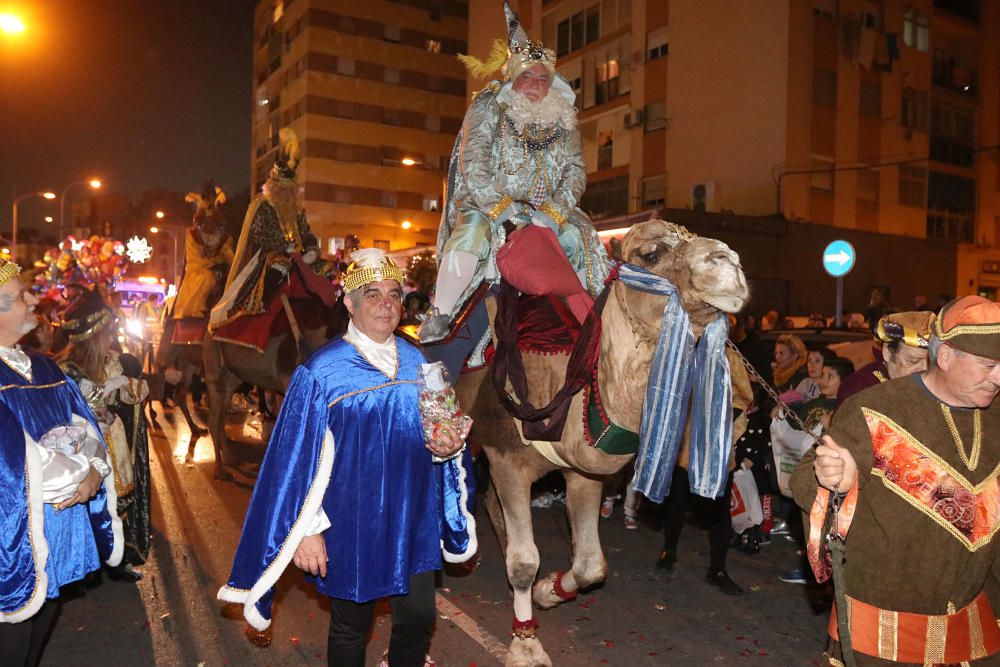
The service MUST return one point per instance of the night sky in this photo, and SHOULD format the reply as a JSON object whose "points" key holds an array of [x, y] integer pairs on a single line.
{"points": [[140, 93]]}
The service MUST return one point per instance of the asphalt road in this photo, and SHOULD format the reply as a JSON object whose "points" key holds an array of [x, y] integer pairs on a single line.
{"points": [[638, 617]]}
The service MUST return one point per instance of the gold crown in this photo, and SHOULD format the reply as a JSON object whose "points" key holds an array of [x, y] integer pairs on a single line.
{"points": [[8, 270], [358, 276]]}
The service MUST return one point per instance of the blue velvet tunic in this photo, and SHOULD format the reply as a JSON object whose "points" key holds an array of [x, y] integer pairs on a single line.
{"points": [[391, 508], [76, 539]]}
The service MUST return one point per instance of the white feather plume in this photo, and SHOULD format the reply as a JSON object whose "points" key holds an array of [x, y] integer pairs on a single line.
{"points": [[368, 258]]}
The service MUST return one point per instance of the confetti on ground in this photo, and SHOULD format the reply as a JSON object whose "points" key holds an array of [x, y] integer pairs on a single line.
{"points": [[659, 607]]}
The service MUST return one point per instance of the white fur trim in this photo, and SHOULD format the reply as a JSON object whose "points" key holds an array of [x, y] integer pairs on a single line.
{"points": [[299, 529], [40, 547], [463, 499], [117, 531]]}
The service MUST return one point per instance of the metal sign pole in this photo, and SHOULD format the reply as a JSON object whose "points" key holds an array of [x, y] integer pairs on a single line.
{"points": [[838, 317]]}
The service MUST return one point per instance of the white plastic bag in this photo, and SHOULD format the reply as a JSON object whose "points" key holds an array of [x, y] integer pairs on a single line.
{"points": [[744, 505], [788, 445]]}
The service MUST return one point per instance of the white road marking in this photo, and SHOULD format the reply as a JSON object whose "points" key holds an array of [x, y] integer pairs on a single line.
{"points": [[475, 631]]}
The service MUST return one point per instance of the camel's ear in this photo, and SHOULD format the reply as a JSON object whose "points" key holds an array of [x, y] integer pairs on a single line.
{"points": [[616, 250]]}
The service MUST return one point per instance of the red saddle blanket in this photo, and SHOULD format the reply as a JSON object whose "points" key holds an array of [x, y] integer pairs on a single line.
{"points": [[189, 331], [545, 325], [256, 330]]}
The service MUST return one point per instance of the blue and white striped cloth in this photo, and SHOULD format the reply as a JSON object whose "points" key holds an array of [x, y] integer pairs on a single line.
{"points": [[682, 369]]}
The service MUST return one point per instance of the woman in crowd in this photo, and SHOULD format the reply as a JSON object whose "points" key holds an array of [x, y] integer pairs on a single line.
{"points": [[789, 367], [113, 386]]}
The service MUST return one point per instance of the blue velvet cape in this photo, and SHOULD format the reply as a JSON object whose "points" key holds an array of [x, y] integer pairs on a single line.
{"points": [[29, 532], [349, 439]]}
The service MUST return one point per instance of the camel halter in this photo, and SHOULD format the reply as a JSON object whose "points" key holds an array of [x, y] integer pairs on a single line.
{"points": [[683, 369]]}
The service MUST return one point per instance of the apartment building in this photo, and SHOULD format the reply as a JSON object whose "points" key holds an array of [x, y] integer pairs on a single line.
{"points": [[376, 96], [880, 118]]}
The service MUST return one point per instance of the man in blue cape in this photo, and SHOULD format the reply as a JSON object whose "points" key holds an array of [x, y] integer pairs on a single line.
{"points": [[348, 490], [57, 501]]}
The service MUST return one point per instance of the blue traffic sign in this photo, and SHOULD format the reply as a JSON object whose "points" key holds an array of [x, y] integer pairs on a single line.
{"points": [[838, 258]]}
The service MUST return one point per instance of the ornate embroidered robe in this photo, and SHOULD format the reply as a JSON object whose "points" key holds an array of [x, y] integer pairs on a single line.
{"points": [[923, 534], [41, 549], [349, 441]]}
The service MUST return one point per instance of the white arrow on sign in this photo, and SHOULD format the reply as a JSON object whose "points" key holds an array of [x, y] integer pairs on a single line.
{"points": [[839, 257]]}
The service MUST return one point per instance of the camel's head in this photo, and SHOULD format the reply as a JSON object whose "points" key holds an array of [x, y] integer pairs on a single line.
{"points": [[706, 271]]}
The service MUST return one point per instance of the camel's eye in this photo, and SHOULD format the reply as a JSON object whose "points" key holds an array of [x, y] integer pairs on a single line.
{"points": [[651, 257]]}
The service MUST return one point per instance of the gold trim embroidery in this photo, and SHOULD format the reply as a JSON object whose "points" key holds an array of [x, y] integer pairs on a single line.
{"points": [[972, 461], [977, 647], [888, 623], [935, 639], [550, 211], [367, 389], [32, 386], [499, 208], [974, 329]]}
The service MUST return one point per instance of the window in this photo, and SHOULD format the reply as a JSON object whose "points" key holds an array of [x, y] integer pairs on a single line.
{"points": [[868, 181], [653, 190], [825, 8], [432, 122], [430, 204], [952, 135], [607, 81], [390, 75], [387, 198], [913, 109], [916, 30], [345, 66], [605, 149], [870, 100], [655, 116], [391, 33], [390, 117], [606, 197], [381, 244], [825, 87], [433, 46], [656, 44], [822, 180], [578, 30], [912, 186], [279, 11]]}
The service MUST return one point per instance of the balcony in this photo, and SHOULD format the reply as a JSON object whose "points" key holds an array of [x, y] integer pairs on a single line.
{"points": [[951, 152], [948, 73]]}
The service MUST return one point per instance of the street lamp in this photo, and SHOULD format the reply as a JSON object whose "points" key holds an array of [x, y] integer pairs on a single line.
{"points": [[13, 231], [11, 24], [94, 184], [160, 215]]}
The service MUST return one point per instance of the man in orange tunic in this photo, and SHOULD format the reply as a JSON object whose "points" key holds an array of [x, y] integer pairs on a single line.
{"points": [[915, 462]]}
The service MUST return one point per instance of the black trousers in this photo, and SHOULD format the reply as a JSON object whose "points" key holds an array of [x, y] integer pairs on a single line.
{"points": [[412, 625], [720, 527], [21, 643]]}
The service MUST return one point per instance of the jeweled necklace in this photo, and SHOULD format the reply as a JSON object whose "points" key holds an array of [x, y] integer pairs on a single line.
{"points": [[971, 461]]}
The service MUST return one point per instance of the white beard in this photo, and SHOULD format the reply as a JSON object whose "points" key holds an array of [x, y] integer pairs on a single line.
{"points": [[550, 111]]}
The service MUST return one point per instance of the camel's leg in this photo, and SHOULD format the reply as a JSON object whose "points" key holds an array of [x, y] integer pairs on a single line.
{"points": [[513, 487], [495, 512], [583, 502], [181, 395], [220, 384]]}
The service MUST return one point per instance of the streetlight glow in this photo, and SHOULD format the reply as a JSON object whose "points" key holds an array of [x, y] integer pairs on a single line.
{"points": [[408, 161], [160, 215], [49, 195], [48, 218], [154, 230], [406, 224], [11, 24], [95, 184]]}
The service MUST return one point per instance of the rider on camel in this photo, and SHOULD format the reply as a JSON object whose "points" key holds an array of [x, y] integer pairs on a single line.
{"points": [[517, 159], [208, 252], [277, 256]]}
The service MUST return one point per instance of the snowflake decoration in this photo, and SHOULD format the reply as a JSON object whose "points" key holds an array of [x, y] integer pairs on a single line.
{"points": [[138, 250]]}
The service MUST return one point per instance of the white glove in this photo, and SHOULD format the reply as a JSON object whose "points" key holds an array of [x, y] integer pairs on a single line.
{"points": [[113, 385]]}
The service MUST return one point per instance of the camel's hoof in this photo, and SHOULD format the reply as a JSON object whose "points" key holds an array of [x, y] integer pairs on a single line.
{"points": [[527, 653], [543, 592], [189, 460]]}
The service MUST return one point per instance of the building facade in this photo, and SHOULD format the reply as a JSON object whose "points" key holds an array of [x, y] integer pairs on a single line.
{"points": [[877, 118], [375, 94]]}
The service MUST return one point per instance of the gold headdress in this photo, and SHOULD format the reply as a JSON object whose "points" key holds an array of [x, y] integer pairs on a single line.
{"points": [[8, 270], [913, 328], [370, 265], [520, 53]]}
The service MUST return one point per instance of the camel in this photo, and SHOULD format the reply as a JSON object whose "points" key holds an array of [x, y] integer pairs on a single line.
{"points": [[189, 358], [709, 279], [228, 365]]}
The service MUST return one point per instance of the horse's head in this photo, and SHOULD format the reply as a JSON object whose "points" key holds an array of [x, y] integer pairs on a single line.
{"points": [[706, 271]]}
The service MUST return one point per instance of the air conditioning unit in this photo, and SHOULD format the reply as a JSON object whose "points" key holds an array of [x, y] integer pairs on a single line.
{"points": [[633, 119], [704, 197]]}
